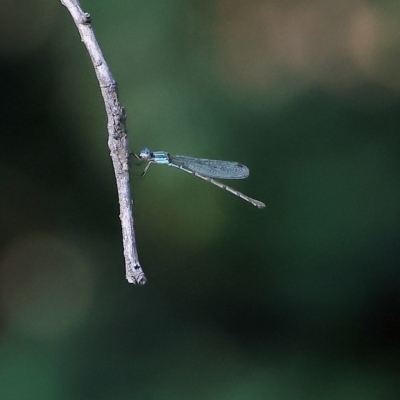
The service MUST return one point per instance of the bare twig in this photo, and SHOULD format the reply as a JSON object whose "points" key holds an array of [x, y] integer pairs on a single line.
{"points": [[117, 138]]}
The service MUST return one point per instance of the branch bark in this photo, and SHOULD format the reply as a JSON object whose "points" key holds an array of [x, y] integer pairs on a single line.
{"points": [[117, 138]]}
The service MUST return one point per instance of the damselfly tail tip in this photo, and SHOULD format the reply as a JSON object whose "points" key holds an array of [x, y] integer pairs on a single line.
{"points": [[259, 204]]}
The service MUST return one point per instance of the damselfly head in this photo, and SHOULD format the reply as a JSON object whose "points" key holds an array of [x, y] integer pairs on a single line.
{"points": [[145, 153]]}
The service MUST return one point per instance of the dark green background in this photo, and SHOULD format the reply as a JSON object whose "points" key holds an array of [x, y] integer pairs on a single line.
{"points": [[300, 300]]}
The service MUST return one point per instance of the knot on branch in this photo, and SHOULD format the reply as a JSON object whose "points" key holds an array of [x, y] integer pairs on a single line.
{"points": [[85, 19]]}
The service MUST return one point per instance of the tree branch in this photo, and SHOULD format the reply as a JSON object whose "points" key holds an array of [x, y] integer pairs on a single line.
{"points": [[117, 138]]}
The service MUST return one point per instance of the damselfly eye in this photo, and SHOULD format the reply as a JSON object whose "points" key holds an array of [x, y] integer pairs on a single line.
{"points": [[145, 153]]}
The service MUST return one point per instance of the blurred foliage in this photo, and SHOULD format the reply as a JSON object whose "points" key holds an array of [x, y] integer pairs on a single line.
{"points": [[300, 300]]}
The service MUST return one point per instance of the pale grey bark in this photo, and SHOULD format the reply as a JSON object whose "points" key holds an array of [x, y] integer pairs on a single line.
{"points": [[117, 138]]}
